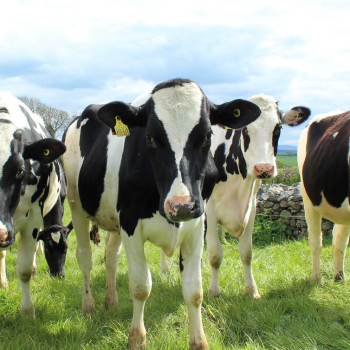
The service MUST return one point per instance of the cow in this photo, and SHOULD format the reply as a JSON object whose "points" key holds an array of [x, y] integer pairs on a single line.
{"points": [[244, 158], [151, 185], [323, 161], [30, 182]]}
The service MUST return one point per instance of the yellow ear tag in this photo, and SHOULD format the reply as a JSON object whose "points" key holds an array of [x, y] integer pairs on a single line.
{"points": [[120, 128], [297, 117], [46, 152], [236, 112]]}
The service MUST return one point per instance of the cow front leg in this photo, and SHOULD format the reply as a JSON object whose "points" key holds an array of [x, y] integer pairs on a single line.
{"points": [[190, 258], [215, 251], [84, 258], [3, 277], [113, 250], [24, 266], [313, 219], [340, 243], [245, 253], [140, 284]]}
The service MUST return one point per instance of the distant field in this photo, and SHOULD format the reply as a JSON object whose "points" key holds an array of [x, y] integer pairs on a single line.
{"points": [[288, 158]]}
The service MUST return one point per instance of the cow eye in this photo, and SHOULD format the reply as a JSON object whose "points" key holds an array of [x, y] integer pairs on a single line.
{"points": [[20, 173], [150, 140]]}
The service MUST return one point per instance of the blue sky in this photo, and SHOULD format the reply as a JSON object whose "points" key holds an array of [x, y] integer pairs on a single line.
{"points": [[70, 54]]}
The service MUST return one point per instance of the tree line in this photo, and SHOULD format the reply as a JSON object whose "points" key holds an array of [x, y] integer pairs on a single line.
{"points": [[56, 120]]}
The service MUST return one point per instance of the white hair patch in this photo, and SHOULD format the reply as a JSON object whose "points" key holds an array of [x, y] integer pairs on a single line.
{"points": [[56, 236]]}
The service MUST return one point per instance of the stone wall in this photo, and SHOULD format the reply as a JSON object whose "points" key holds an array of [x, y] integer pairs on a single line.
{"points": [[286, 203]]}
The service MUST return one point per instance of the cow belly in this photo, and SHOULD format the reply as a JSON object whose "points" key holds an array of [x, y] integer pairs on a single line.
{"points": [[337, 215]]}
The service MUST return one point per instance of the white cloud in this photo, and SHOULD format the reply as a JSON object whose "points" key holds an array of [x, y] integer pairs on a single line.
{"points": [[73, 53]]}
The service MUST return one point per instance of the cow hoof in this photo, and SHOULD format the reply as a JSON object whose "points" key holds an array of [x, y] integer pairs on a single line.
{"points": [[339, 277], [203, 345], [28, 311], [214, 292], [137, 339], [252, 292], [111, 301], [88, 307]]}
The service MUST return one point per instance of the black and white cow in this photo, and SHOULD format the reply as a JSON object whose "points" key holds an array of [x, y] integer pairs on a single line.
{"points": [[151, 185], [30, 182], [243, 158], [323, 160]]}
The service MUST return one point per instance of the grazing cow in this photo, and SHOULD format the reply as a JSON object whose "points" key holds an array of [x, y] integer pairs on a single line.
{"points": [[323, 160], [151, 185], [30, 182], [243, 158]]}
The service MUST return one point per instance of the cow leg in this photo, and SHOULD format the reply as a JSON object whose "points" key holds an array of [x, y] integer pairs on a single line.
{"points": [[313, 219], [245, 253], [340, 243], [163, 262], [3, 278], [190, 256], [140, 284], [84, 257], [24, 265], [113, 250], [215, 251]]}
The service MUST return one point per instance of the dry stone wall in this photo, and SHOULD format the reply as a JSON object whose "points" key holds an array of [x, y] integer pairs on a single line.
{"points": [[285, 203]]}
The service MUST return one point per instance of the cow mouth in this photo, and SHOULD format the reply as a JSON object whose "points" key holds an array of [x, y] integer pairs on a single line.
{"points": [[5, 243]]}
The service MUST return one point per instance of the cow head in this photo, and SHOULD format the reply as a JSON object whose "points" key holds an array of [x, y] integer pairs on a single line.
{"points": [[17, 158], [55, 247], [177, 120], [255, 145]]}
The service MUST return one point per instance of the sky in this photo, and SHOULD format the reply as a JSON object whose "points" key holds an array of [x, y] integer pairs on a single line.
{"points": [[72, 53]]}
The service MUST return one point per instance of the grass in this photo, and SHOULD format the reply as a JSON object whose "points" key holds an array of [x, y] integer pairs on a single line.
{"points": [[288, 159], [293, 313]]}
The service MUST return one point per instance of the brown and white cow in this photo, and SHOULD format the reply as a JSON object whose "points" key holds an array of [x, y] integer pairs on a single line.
{"points": [[323, 160]]}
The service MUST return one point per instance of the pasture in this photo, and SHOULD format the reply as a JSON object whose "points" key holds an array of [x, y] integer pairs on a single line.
{"points": [[287, 159], [293, 313]]}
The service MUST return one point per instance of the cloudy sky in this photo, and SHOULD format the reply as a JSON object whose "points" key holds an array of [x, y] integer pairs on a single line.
{"points": [[71, 53]]}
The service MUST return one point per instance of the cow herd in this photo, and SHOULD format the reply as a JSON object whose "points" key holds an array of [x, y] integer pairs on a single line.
{"points": [[167, 168]]}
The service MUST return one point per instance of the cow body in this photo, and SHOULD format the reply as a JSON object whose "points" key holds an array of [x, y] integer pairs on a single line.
{"points": [[30, 182], [323, 160], [243, 158], [151, 185]]}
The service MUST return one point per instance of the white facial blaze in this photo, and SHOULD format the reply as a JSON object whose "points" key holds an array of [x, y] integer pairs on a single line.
{"points": [[179, 109], [260, 133], [56, 236]]}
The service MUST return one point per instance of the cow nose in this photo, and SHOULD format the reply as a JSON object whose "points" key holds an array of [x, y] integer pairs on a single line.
{"points": [[180, 208], [264, 170]]}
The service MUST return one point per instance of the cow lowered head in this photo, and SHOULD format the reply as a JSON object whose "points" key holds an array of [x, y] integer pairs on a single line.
{"points": [[55, 247], [176, 122], [17, 160]]}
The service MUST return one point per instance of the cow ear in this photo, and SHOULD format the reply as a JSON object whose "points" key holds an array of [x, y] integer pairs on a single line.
{"points": [[44, 151], [235, 114], [296, 116], [129, 115]]}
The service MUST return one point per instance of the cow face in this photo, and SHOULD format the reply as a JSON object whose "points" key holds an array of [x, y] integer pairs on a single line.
{"points": [[254, 147], [55, 248], [18, 159], [177, 121]]}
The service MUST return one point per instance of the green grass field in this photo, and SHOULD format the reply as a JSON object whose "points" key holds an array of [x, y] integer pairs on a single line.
{"points": [[288, 159], [293, 313]]}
